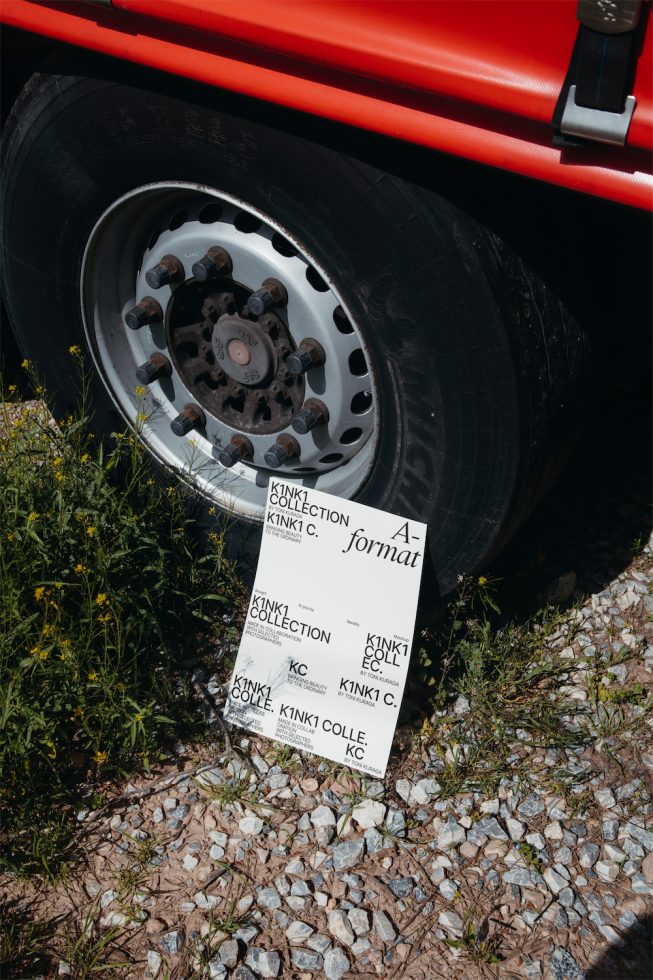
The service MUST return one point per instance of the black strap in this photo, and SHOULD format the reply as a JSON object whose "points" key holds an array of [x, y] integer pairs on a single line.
{"points": [[602, 68]]}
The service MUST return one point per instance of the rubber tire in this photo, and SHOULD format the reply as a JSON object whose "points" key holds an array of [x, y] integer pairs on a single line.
{"points": [[477, 363]]}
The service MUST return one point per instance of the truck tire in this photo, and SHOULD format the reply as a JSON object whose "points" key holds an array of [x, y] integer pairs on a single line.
{"points": [[447, 371]]}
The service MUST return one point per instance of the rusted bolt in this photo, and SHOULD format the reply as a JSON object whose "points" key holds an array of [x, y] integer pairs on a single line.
{"points": [[157, 366], [285, 448], [191, 417], [168, 270], [147, 310], [313, 413], [271, 293], [239, 448], [216, 262], [308, 355], [276, 389], [237, 391]]}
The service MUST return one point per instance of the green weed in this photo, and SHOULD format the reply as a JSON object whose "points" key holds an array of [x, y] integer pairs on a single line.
{"points": [[23, 941], [100, 576], [474, 944], [93, 953], [508, 680]]}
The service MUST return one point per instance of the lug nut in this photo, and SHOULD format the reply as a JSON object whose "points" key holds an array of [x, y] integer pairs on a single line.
{"points": [[168, 270], [271, 293], [313, 413], [308, 355], [147, 310], [191, 417], [216, 262], [157, 366], [285, 448], [238, 448]]}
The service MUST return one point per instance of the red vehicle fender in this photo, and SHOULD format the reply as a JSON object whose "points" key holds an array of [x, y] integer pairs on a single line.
{"points": [[476, 78]]}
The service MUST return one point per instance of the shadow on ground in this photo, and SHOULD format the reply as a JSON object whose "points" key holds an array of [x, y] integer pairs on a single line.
{"points": [[598, 516], [632, 961]]}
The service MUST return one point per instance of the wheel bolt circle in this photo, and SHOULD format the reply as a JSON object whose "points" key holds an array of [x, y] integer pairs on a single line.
{"points": [[143, 313], [285, 448], [156, 367], [191, 417], [314, 412], [238, 448], [168, 270]]}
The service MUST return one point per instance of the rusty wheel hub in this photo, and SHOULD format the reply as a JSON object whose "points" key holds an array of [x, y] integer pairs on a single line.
{"points": [[231, 360]]}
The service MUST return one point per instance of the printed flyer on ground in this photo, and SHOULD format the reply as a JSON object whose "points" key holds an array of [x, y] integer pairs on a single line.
{"points": [[324, 653]]}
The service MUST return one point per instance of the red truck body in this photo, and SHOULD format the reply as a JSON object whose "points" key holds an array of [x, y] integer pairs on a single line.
{"points": [[473, 78]]}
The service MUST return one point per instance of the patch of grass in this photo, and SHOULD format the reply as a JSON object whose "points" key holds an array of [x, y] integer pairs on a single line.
{"points": [[91, 952], [100, 577], [286, 757], [507, 681], [474, 943], [230, 791], [220, 927], [23, 941], [45, 847]]}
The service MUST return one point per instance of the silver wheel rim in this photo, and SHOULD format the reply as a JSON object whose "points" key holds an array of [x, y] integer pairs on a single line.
{"points": [[174, 218]]}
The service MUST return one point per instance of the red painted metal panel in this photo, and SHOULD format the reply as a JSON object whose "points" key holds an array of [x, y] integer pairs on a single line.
{"points": [[476, 78]]}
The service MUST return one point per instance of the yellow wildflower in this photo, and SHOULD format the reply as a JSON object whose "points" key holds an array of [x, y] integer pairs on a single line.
{"points": [[78, 712], [39, 593], [150, 482], [211, 510], [90, 530], [138, 717], [482, 580], [66, 644], [139, 390], [84, 458], [104, 618], [26, 364], [40, 390], [101, 599], [120, 686], [59, 477], [170, 490], [75, 350], [80, 568], [92, 675], [100, 758], [32, 516], [47, 629], [141, 417], [10, 536], [57, 461], [12, 389]]}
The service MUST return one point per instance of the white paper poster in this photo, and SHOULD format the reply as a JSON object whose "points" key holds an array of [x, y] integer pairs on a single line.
{"points": [[324, 654]]}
